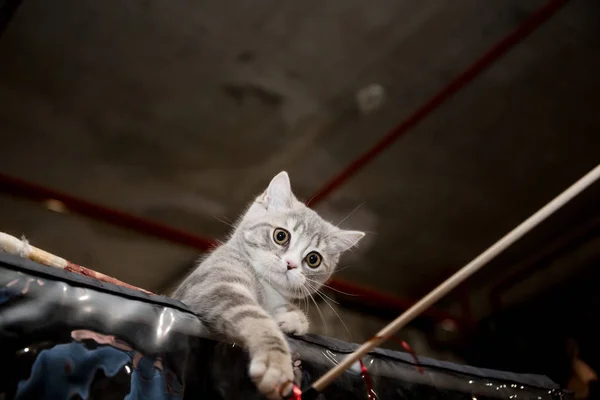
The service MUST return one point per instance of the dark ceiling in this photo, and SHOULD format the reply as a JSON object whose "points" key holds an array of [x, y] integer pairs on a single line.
{"points": [[182, 111]]}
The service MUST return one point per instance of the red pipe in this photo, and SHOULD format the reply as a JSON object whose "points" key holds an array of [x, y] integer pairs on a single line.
{"points": [[32, 191], [372, 297], [36, 192], [493, 54]]}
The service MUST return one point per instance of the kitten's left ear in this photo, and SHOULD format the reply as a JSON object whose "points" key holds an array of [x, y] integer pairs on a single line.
{"points": [[343, 240], [279, 193]]}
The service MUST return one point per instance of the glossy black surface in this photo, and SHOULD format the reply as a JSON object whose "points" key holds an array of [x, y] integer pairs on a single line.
{"points": [[68, 336]]}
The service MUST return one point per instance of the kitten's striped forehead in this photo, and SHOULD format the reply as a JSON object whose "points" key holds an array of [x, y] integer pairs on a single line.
{"points": [[307, 224]]}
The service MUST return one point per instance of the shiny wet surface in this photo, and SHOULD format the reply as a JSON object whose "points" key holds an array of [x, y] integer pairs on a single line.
{"points": [[64, 336]]}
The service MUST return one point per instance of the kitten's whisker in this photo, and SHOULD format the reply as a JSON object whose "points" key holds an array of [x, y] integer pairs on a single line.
{"points": [[306, 295], [300, 298], [324, 298], [311, 199], [332, 288], [339, 291], [319, 311], [305, 298], [343, 268], [322, 294], [351, 212], [225, 222], [329, 298], [337, 315], [267, 270]]}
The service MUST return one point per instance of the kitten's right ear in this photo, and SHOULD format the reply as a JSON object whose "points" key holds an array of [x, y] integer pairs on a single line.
{"points": [[279, 193], [343, 240]]}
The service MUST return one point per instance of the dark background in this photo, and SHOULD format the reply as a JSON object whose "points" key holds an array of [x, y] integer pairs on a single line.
{"points": [[180, 112]]}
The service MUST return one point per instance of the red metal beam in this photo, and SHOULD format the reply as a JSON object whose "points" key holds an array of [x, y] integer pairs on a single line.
{"points": [[536, 19], [32, 191], [35, 192], [375, 298]]}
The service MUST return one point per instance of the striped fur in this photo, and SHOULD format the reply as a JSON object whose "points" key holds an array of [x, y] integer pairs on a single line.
{"points": [[245, 288]]}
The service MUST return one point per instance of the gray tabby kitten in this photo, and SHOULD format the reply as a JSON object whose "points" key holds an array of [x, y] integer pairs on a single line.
{"points": [[280, 251]]}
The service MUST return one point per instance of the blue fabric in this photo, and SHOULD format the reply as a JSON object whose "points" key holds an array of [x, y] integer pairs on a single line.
{"points": [[148, 383], [67, 370]]}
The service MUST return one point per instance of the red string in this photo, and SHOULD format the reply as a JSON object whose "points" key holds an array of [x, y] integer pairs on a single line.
{"points": [[367, 378], [371, 395], [296, 393], [409, 350]]}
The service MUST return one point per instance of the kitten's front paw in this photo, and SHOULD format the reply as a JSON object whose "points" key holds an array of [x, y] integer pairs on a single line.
{"points": [[293, 322], [273, 373]]}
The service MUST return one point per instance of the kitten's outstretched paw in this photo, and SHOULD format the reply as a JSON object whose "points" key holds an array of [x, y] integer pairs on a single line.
{"points": [[292, 322], [273, 373]]}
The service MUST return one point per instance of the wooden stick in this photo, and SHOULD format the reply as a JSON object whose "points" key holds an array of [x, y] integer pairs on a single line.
{"points": [[22, 248], [460, 276]]}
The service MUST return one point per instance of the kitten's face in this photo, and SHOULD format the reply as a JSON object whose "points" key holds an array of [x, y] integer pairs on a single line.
{"points": [[291, 247]]}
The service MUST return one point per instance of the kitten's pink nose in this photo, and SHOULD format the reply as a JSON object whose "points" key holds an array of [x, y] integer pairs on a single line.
{"points": [[290, 264]]}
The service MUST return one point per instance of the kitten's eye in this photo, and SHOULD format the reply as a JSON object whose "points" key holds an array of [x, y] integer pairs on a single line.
{"points": [[313, 259], [281, 236]]}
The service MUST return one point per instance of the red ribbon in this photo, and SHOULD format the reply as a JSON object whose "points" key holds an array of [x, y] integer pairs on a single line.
{"points": [[409, 349], [367, 378], [371, 395], [296, 393]]}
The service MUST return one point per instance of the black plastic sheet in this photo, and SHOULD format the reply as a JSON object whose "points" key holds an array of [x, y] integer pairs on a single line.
{"points": [[63, 336]]}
